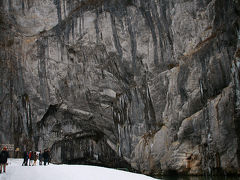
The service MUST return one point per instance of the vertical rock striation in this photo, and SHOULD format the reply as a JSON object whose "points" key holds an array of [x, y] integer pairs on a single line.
{"points": [[147, 84]]}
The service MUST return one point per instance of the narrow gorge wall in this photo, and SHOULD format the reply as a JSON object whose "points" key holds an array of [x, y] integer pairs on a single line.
{"points": [[147, 84]]}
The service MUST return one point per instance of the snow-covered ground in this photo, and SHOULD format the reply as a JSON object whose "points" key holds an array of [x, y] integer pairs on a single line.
{"points": [[15, 171]]}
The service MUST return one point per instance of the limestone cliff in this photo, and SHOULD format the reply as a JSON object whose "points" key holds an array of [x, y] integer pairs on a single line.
{"points": [[147, 84]]}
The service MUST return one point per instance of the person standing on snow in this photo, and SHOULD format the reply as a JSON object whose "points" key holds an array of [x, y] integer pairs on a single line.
{"points": [[35, 157], [45, 157], [25, 158], [49, 156], [40, 156], [30, 157], [4, 155]]}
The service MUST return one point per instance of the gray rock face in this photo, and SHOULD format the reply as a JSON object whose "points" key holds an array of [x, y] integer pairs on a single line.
{"points": [[151, 84]]}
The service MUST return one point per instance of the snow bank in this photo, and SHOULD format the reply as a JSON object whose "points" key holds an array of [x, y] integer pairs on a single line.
{"points": [[65, 172]]}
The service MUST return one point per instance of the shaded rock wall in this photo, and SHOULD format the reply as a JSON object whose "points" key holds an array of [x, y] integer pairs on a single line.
{"points": [[149, 84]]}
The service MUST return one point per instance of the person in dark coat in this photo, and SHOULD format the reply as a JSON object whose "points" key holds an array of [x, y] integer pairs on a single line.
{"points": [[4, 155], [40, 156], [45, 157], [49, 156], [25, 158]]}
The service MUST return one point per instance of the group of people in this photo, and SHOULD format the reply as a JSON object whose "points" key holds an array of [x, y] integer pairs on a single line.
{"points": [[4, 155], [30, 158]]}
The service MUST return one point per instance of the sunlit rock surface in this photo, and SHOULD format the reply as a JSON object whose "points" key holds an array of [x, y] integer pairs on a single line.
{"points": [[151, 85]]}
